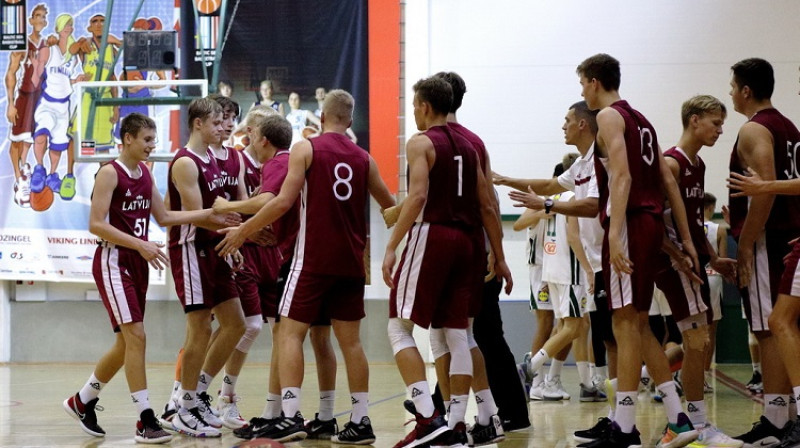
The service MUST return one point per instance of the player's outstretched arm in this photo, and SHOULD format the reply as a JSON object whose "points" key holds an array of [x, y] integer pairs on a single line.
{"points": [[377, 188], [545, 187], [165, 217], [753, 185]]}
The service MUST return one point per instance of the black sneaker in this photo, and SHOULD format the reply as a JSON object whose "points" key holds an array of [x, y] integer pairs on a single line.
{"points": [[148, 429], [321, 429], [598, 431], [615, 438], [516, 425], [791, 439], [484, 435], [756, 384], [85, 414], [356, 433], [456, 437], [288, 429], [254, 425], [763, 433]]}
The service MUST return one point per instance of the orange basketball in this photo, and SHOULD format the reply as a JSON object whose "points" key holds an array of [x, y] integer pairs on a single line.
{"points": [[140, 24], [259, 443], [207, 6], [43, 200]]}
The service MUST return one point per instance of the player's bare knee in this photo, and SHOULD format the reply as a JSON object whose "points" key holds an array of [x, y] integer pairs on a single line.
{"points": [[696, 339]]}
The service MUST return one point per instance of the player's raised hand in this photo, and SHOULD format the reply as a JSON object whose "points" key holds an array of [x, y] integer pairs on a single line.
{"points": [[529, 200], [390, 215], [747, 185], [221, 205], [499, 179]]}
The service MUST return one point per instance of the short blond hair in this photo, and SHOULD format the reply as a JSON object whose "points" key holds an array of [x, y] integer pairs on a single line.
{"points": [[338, 106], [701, 105]]}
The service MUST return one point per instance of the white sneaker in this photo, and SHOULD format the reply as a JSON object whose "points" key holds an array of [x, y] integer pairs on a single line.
{"points": [[710, 436], [536, 392], [170, 410], [551, 391], [192, 424], [561, 389], [229, 412], [207, 411], [599, 382], [708, 380]]}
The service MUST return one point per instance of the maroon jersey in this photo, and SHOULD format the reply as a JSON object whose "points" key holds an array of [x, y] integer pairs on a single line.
{"points": [[691, 183], [129, 210], [785, 213], [641, 145], [333, 204], [210, 182], [229, 169], [26, 65], [452, 197], [252, 174], [273, 174], [473, 138]]}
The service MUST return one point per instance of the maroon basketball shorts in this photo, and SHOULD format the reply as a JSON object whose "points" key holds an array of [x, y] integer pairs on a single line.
{"points": [[308, 296], [257, 280], [685, 297], [790, 280], [203, 280], [434, 281], [121, 275], [766, 279], [642, 234]]}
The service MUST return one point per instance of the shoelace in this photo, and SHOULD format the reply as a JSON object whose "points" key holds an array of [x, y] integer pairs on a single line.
{"points": [[196, 413]]}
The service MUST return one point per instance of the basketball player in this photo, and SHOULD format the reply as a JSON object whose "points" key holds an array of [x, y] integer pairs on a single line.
{"points": [[631, 174], [58, 66], [764, 225], [265, 92], [25, 94], [299, 118], [717, 237], [334, 177], [536, 222], [123, 198], [690, 303], [580, 129], [452, 199], [203, 281]]}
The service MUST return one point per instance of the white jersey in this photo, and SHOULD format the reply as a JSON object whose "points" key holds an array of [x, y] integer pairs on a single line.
{"points": [[536, 243], [581, 179], [560, 265], [298, 119], [712, 230], [59, 72]]}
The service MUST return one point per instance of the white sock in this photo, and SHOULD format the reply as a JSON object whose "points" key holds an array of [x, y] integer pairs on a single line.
{"points": [[538, 360], [273, 407], [625, 414], [140, 400], [486, 406], [584, 373], [228, 385], [204, 381], [776, 409], [696, 410], [360, 402], [326, 401], [91, 389], [645, 376], [458, 409], [420, 394], [592, 370], [757, 367], [603, 371], [796, 397], [290, 401], [672, 402], [539, 378], [176, 391], [555, 368], [187, 399]]}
